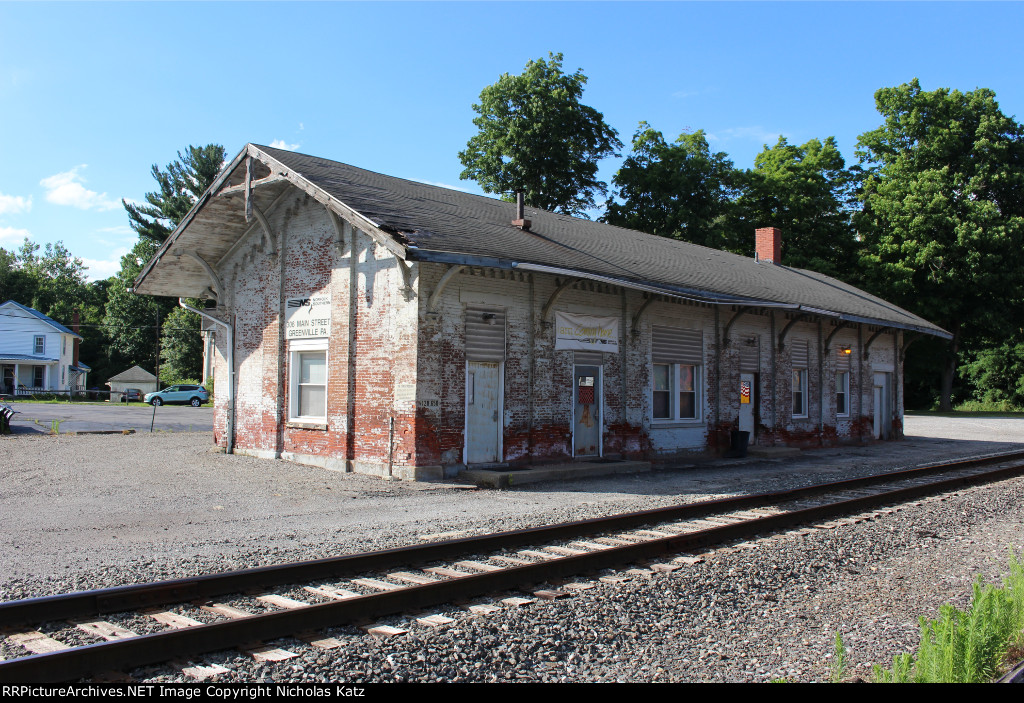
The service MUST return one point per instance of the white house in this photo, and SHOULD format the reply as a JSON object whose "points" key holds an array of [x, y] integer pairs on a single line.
{"points": [[37, 355]]}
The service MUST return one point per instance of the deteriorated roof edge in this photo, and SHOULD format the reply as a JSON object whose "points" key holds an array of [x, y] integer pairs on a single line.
{"points": [[444, 257], [404, 249]]}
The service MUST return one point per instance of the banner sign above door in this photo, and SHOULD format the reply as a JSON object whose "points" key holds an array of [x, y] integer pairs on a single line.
{"points": [[586, 332]]}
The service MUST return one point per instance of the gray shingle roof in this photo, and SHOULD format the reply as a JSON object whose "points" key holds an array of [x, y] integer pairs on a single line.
{"points": [[439, 224], [430, 223]]}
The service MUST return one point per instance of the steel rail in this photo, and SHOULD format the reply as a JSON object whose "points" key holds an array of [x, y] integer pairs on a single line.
{"points": [[147, 649], [121, 598]]}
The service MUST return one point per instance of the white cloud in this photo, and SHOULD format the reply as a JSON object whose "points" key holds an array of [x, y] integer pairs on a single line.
{"points": [[13, 204], [99, 269], [757, 134], [12, 234], [66, 189], [280, 144]]}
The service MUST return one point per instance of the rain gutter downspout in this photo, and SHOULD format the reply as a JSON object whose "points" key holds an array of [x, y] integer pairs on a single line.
{"points": [[231, 371]]}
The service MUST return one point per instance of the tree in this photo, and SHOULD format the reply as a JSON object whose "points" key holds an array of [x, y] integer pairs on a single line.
{"points": [[134, 321], [15, 282], [59, 280], [808, 193], [536, 137], [181, 349], [179, 187], [943, 215], [680, 190]]}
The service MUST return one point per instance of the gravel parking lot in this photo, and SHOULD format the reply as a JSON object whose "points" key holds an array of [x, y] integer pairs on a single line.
{"points": [[44, 418], [89, 511]]}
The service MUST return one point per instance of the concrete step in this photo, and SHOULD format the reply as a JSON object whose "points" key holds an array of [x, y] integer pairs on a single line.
{"points": [[504, 478]]}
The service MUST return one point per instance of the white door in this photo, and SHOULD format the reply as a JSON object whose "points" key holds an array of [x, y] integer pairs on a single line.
{"points": [[748, 397], [882, 414], [483, 412], [586, 427]]}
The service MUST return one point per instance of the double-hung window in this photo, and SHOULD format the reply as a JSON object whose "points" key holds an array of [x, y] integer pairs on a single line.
{"points": [[799, 357], [843, 394], [308, 380], [843, 382], [39, 345], [676, 394], [676, 390]]}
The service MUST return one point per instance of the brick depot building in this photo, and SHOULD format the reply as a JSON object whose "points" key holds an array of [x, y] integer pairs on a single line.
{"points": [[372, 324]]}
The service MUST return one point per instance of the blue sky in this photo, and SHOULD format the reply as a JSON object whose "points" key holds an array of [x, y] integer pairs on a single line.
{"points": [[93, 94]]}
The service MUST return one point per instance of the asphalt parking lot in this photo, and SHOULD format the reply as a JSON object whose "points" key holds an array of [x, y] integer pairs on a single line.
{"points": [[62, 418]]}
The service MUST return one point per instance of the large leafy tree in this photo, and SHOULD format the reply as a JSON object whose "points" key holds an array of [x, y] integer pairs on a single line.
{"points": [[179, 186], [15, 283], [943, 215], [132, 321], [536, 137], [808, 193], [182, 357], [58, 279], [680, 190]]}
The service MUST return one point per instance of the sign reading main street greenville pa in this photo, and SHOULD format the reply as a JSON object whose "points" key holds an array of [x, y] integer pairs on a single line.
{"points": [[308, 317]]}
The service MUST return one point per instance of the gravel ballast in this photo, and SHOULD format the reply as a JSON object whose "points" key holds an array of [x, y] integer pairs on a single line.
{"points": [[87, 512]]}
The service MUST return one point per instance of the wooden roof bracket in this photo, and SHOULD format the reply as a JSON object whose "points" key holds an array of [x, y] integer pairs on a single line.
{"points": [[728, 325], [785, 330], [635, 327], [452, 271], [828, 339], [215, 283], [266, 229], [247, 186], [406, 269], [555, 295], [907, 341], [876, 335], [342, 227]]}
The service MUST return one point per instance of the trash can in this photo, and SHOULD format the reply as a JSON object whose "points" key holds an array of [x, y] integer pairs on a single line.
{"points": [[738, 440]]}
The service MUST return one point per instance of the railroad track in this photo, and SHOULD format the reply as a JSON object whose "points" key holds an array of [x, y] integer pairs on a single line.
{"points": [[189, 618]]}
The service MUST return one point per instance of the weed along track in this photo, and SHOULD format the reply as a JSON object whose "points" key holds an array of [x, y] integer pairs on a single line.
{"points": [[68, 637]]}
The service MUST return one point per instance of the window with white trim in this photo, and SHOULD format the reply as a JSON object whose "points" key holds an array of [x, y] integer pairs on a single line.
{"points": [[676, 392], [843, 394], [799, 357], [677, 354], [307, 369], [39, 344], [799, 392]]}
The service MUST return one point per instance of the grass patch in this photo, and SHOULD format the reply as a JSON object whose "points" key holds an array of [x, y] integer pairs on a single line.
{"points": [[967, 646], [959, 412], [840, 659]]}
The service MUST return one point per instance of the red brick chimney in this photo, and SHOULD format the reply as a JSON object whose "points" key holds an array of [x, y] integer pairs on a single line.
{"points": [[75, 342], [769, 244]]}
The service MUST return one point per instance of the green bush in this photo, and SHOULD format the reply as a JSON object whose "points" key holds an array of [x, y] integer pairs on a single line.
{"points": [[968, 646]]}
